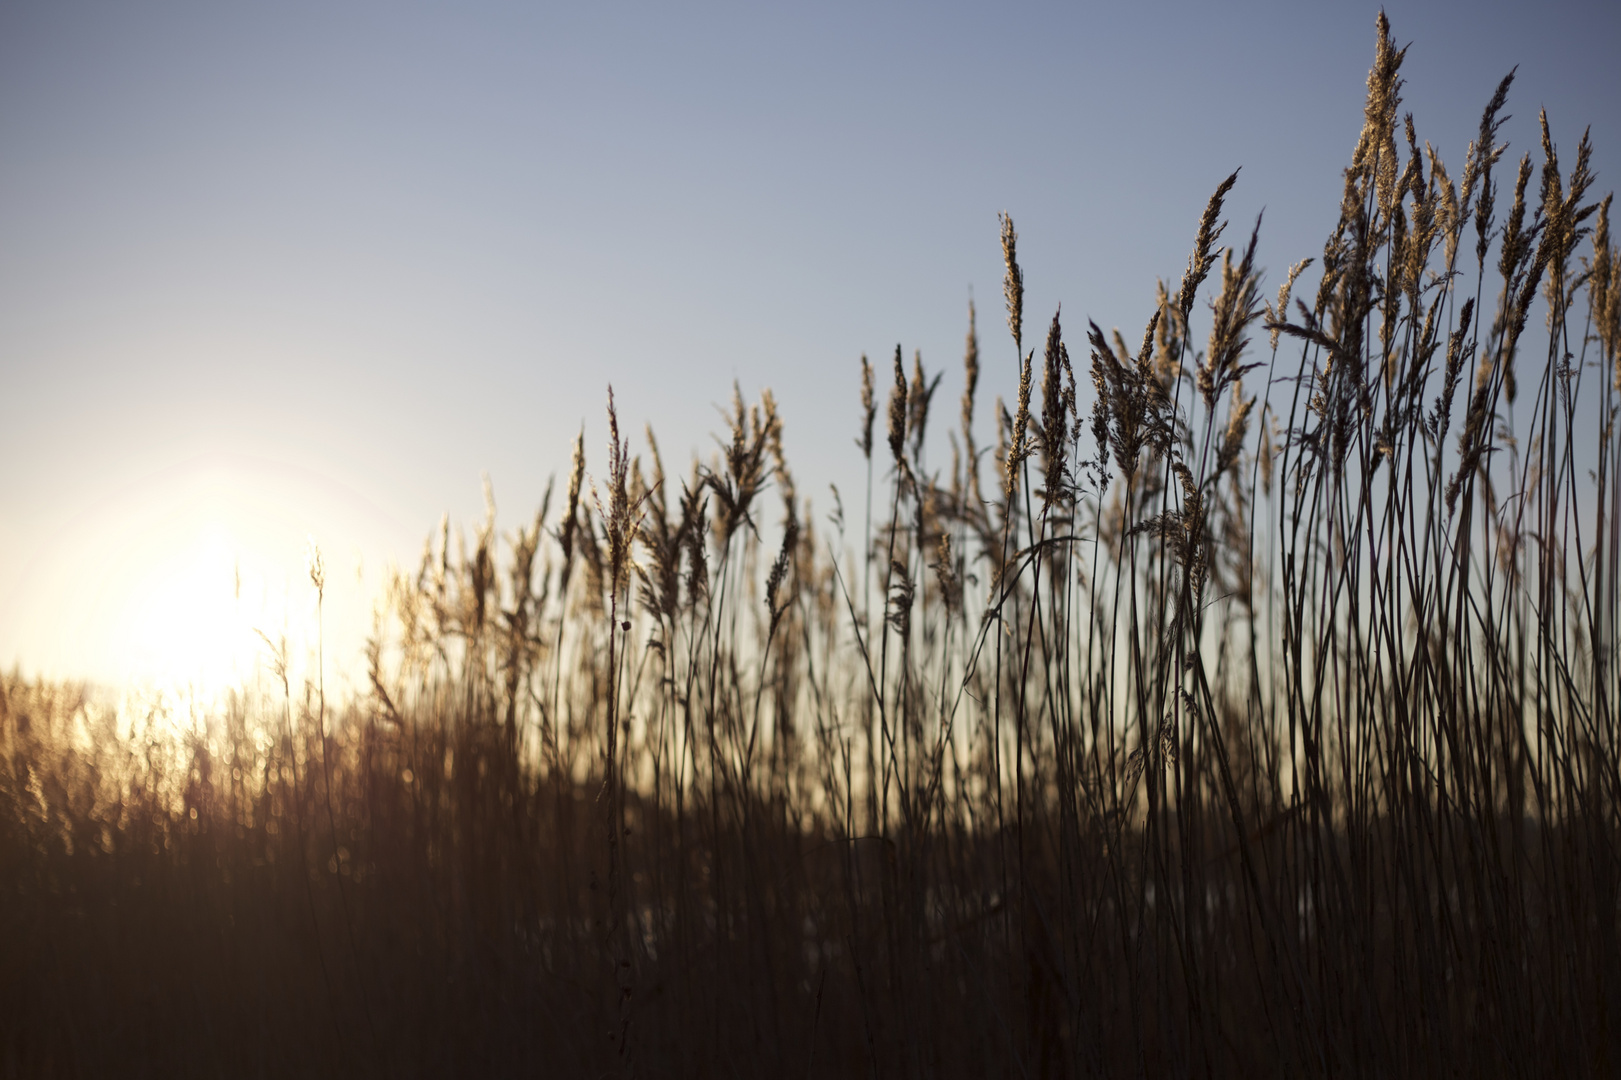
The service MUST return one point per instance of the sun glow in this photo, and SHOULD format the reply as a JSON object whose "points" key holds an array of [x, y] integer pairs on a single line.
{"points": [[184, 621], [177, 583]]}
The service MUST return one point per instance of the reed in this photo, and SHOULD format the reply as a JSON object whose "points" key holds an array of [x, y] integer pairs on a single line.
{"points": [[1263, 722]]}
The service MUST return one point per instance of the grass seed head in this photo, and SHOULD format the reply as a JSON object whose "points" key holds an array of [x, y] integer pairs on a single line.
{"points": [[620, 518], [1235, 309], [897, 411], [1204, 246], [1054, 421], [1376, 147], [917, 401], [1012, 281], [869, 408], [1018, 449], [970, 366], [948, 574], [1277, 315], [313, 563], [1603, 289]]}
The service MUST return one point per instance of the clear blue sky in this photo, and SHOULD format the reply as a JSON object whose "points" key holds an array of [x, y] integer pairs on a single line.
{"points": [[276, 270]]}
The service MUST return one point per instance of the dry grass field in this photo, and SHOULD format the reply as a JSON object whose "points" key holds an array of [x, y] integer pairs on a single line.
{"points": [[1256, 718]]}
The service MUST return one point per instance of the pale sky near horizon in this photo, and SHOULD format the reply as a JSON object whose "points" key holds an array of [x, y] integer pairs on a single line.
{"points": [[277, 271]]}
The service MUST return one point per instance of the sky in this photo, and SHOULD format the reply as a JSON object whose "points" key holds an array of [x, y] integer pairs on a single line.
{"points": [[275, 274]]}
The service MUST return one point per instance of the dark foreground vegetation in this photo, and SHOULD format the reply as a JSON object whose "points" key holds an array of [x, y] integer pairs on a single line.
{"points": [[1255, 719]]}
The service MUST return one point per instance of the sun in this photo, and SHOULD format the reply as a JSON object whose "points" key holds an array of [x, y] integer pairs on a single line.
{"points": [[176, 581], [185, 619]]}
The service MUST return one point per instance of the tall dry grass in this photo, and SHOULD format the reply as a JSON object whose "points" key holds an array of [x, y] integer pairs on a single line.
{"points": [[1254, 718]]}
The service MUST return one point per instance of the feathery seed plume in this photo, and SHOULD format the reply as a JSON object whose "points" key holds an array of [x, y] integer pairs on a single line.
{"points": [[1449, 216], [1376, 147], [1053, 420], [1484, 154], [617, 517], [576, 475], [948, 575], [897, 411], [1012, 282], [1235, 308], [1281, 313], [317, 568], [1204, 255], [970, 364], [1604, 289], [869, 408], [917, 401], [1017, 450]]}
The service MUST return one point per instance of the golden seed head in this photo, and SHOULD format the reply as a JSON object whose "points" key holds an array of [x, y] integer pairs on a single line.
{"points": [[970, 364], [312, 559], [1012, 281], [897, 410], [1204, 254], [869, 408], [1017, 450], [1281, 313], [1053, 419]]}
